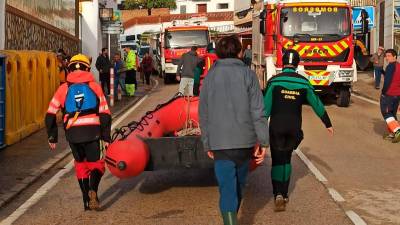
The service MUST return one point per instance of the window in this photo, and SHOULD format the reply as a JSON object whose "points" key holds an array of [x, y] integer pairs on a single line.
{"points": [[335, 24], [201, 8], [183, 9], [186, 38], [223, 5]]}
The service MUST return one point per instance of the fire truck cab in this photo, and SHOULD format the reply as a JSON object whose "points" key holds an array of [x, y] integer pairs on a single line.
{"points": [[177, 40], [320, 31]]}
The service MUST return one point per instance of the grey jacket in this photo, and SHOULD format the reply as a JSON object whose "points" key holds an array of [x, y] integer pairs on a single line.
{"points": [[231, 108], [379, 58], [187, 64]]}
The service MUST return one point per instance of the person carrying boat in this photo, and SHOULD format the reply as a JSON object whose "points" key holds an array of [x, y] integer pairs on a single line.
{"points": [[232, 121], [285, 95], [203, 67], [185, 71], [87, 121]]}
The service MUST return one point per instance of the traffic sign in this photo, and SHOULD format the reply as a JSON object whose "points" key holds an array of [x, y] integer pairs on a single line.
{"points": [[357, 16], [112, 30], [397, 17]]}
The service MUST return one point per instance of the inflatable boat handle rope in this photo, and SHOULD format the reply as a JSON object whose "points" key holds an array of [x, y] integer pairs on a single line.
{"points": [[124, 131]]}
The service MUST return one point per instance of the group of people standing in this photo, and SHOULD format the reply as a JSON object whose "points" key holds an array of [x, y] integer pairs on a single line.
{"points": [[234, 119], [124, 71]]}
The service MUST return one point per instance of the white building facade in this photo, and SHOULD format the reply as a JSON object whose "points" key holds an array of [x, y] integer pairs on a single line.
{"points": [[90, 30], [201, 6]]}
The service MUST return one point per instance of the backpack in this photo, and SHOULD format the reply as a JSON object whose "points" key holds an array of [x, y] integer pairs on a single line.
{"points": [[80, 98]]}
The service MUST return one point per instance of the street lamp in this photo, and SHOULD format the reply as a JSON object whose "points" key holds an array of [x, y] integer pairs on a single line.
{"points": [[106, 14]]}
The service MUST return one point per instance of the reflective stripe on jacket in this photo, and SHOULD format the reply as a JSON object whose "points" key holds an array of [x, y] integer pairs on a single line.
{"points": [[86, 127]]}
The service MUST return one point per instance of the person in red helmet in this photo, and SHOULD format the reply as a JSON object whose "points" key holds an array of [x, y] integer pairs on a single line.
{"points": [[87, 121]]}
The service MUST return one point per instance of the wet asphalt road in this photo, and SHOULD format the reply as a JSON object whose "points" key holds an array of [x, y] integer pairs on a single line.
{"points": [[356, 161]]}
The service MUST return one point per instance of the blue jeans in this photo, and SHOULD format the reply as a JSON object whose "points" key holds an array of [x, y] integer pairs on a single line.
{"points": [[378, 73], [389, 106], [121, 82], [231, 181]]}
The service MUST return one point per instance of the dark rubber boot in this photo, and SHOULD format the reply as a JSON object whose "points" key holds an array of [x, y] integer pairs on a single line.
{"points": [[230, 218], [280, 203], [95, 177], [84, 185]]}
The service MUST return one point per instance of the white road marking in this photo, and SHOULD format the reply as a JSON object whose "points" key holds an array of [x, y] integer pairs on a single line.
{"points": [[42, 191], [356, 219], [45, 188], [365, 99], [335, 195], [311, 166]]}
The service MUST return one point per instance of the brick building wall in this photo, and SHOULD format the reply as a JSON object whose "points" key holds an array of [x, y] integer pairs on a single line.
{"points": [[24, 32]]}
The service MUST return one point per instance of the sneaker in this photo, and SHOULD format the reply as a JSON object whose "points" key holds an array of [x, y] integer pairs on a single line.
{"points": [[396, 137], [280, 203], [93, 201], [388, 136]]}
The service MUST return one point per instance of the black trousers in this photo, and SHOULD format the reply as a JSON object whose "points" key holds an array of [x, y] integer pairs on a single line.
{"points": [[89, 151], [147, 77], [283, 142], [105, 82], [130, 77]]}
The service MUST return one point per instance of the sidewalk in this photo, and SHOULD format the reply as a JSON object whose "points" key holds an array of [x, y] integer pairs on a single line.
{"points": [[23, 163], [365, 86]]}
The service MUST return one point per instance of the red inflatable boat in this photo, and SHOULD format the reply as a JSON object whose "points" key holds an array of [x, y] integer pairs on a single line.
{"points": [[129, 154]]}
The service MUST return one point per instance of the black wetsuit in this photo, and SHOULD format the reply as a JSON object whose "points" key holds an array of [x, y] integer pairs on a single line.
{"points": [[285, 96]]}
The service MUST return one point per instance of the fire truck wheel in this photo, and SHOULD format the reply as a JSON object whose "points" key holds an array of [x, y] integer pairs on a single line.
{"points": [[343, 99], [166, 78]]}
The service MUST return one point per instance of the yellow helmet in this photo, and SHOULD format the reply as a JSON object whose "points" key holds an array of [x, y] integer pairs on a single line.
{"points": [[77, 61]]}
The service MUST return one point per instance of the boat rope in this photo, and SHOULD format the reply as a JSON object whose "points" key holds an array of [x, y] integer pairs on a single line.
{"points": [[123, 132], [190, 129]]}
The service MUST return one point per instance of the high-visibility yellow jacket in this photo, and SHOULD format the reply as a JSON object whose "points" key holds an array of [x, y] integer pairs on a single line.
{"points": [[130, 61]]}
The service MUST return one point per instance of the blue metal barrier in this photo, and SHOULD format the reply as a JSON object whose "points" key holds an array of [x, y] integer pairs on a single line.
{"points": [[2, 99]]}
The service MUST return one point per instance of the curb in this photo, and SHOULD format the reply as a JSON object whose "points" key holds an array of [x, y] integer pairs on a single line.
{"points": [[46, 166]]}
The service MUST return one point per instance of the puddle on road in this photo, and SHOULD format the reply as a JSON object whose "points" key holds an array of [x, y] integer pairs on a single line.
{"points": [[378, 206]]}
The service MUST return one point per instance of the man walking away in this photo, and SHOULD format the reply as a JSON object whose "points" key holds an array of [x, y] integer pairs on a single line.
{"points": [[131, 66], [378, 59], [185, 72], [247, 56], [391, 95], [87, 121], [232, 121], [103, 65], [286, 93]]}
